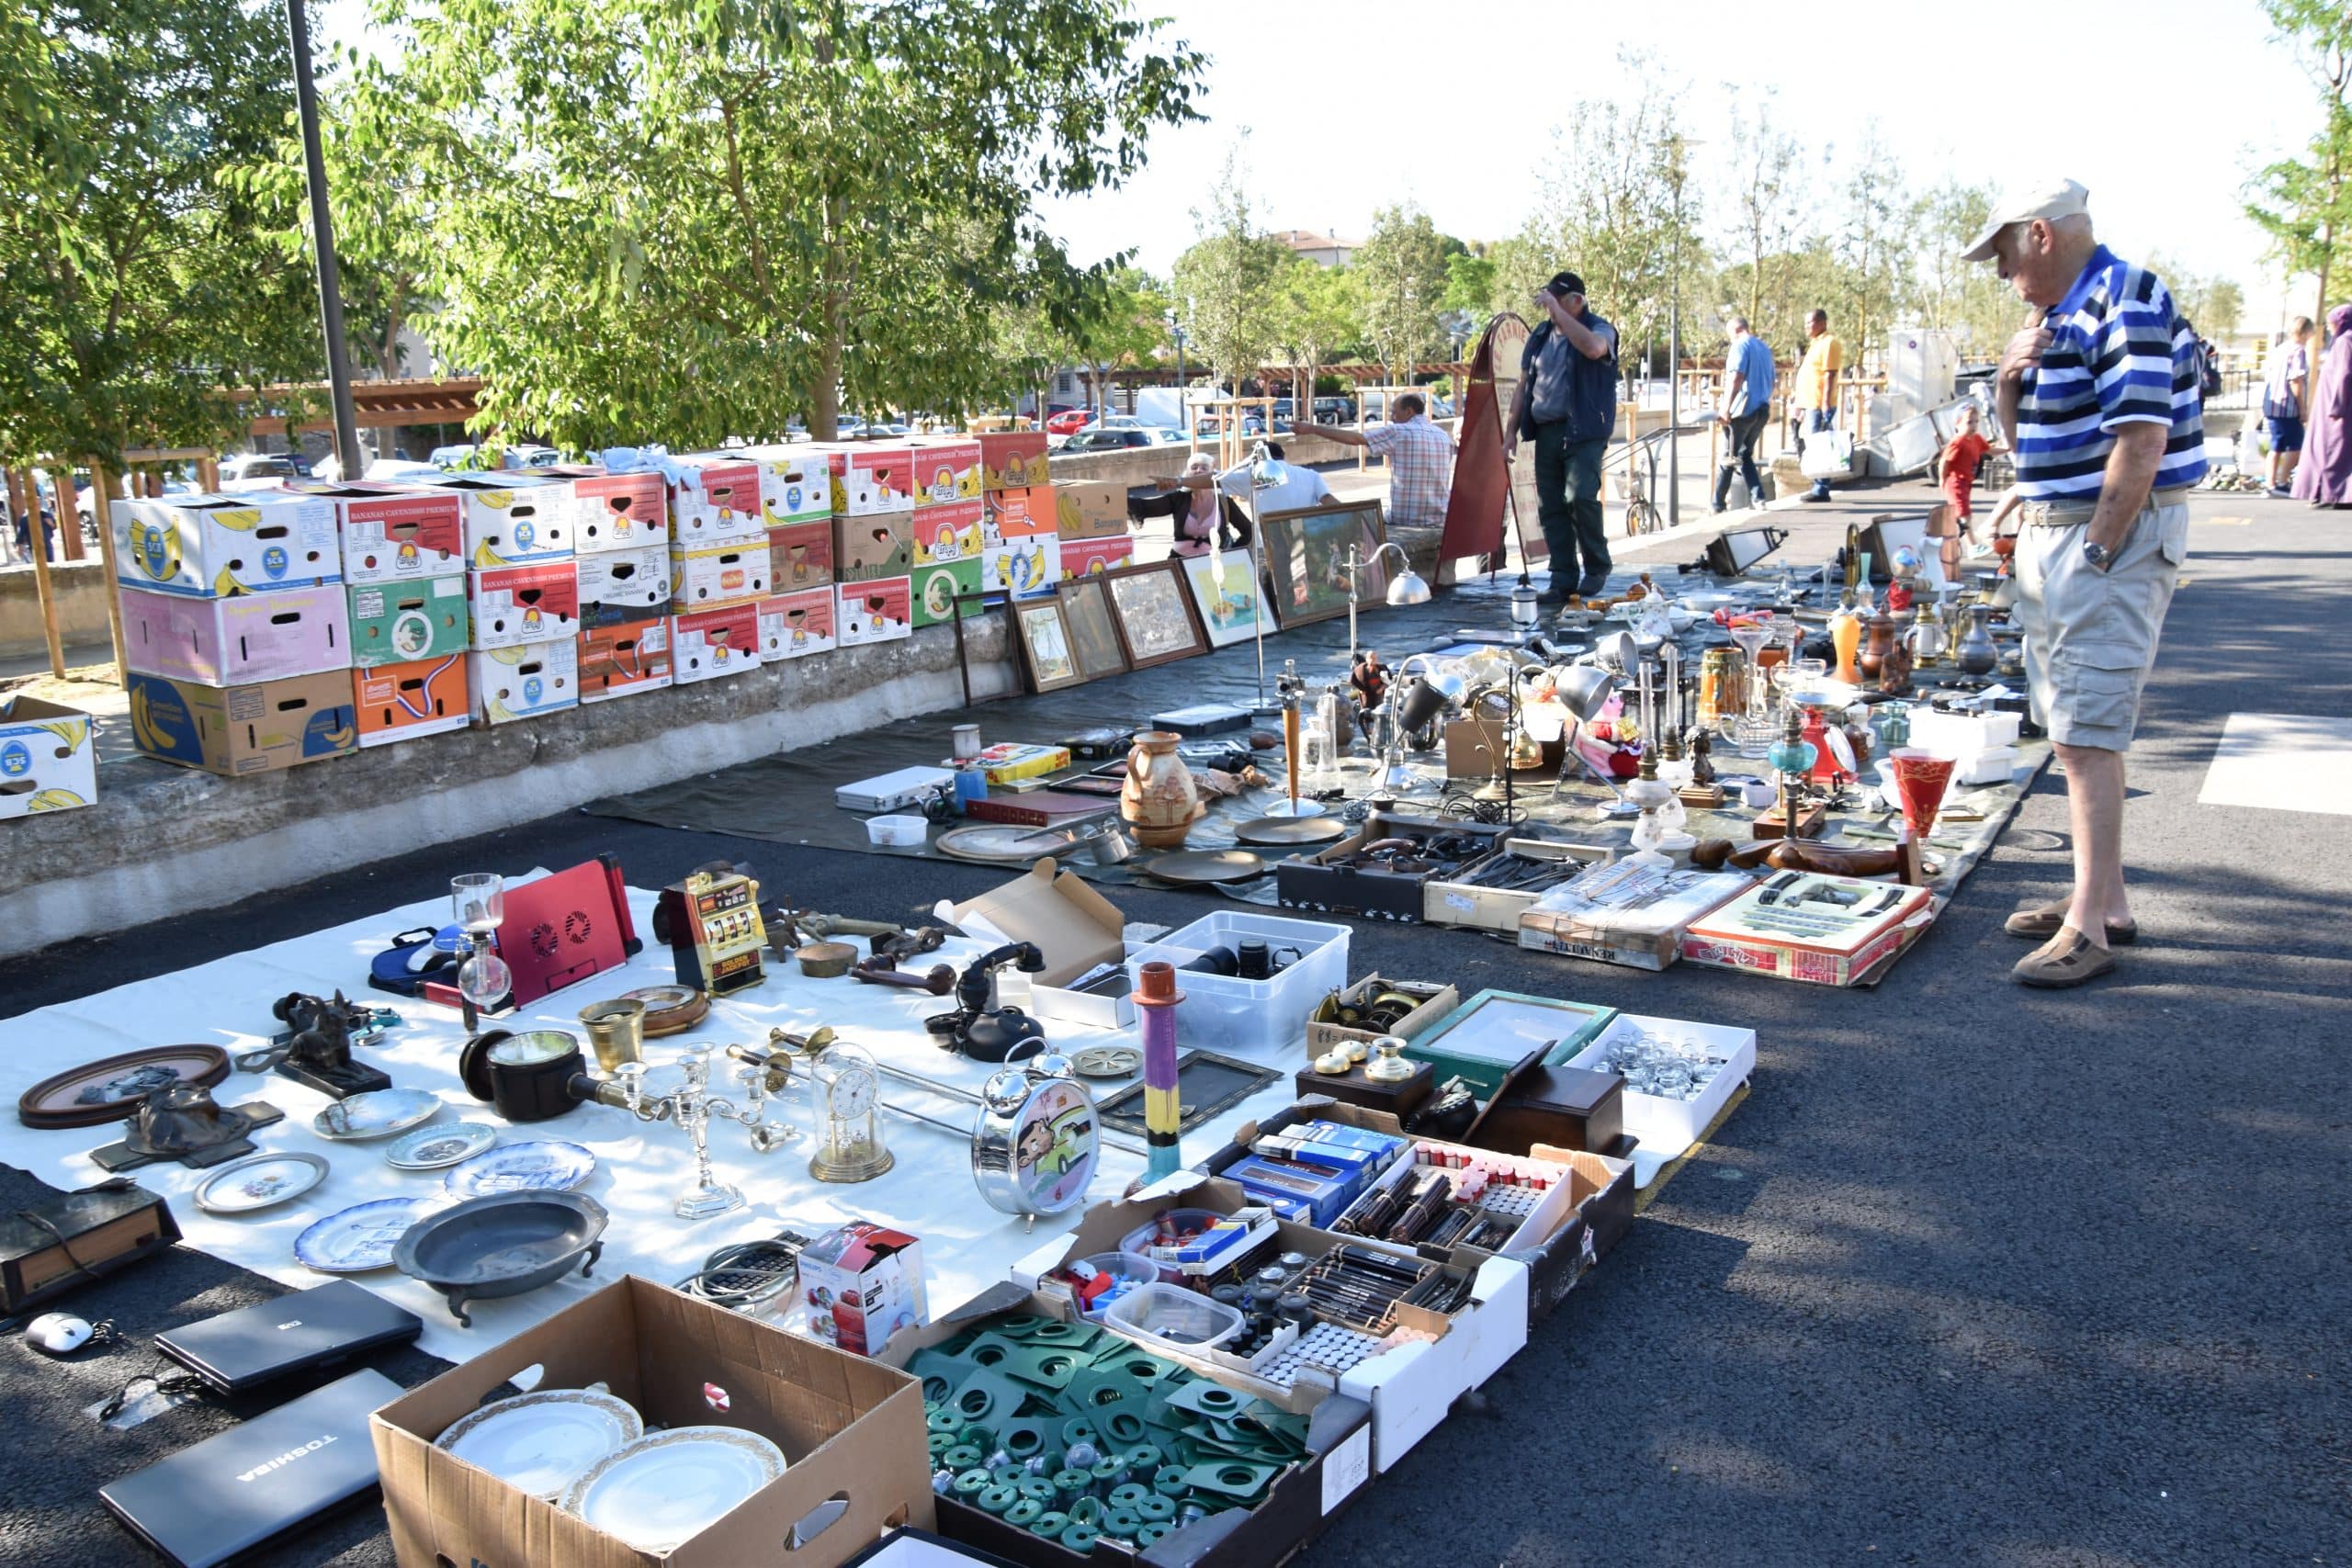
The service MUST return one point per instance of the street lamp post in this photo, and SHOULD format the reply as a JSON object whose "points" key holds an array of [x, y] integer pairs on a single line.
{"points": [[314, 167], [1183, 404]]}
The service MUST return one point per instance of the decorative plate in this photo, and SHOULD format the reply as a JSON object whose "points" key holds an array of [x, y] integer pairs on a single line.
{"points": [[1106, 1062], [669, 1009], [97, 1092], [998, 843], [661, 1489], [378, 1114], [545, 1440], [546, 1166], [430, 1148], [261, 1182], [1292, 830], [354, 1240], [1204, 866]]}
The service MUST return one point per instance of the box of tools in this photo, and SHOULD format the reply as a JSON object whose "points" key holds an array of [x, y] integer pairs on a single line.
{"points": [[1625, 913], [1826, 930], [1365, 874], [1490, 893]]}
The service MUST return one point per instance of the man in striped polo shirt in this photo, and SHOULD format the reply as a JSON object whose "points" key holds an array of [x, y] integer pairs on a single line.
{"points": [[2101, 394]]}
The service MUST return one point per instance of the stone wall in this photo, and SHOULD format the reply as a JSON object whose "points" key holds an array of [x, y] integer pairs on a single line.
{"points": [[81, 590]]}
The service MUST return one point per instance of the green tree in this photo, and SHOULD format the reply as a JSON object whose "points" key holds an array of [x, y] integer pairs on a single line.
{"points": [[135, 284], [1875, 245], [1318, 312], [1470, 285], [1967, 298], [1403, 269], [2305, 203], [691, 219], [1226, 279], [1125, 326], [1767, 207]]}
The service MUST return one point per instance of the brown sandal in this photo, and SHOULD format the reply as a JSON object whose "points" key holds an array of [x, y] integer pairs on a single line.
{"points": [[2068, 959], [2042, 924]]}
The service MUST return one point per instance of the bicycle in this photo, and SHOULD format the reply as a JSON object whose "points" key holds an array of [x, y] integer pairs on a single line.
{"points": [[1641, 514]]}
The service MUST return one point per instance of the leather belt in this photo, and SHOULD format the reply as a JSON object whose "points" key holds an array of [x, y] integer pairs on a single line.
{"points": [[2066, 514]]}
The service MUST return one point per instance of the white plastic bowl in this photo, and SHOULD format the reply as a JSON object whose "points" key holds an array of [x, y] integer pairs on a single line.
{"points": [[896, 832]]}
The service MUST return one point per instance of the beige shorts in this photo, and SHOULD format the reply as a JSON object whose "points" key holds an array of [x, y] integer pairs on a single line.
{"points": [[2090, 635]]}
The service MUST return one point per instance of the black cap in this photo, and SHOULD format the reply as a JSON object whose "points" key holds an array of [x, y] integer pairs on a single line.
{"points": [[1565, 283]]}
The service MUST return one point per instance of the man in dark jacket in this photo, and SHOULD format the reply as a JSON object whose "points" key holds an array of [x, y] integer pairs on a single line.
{"points": [[1566, 404]]}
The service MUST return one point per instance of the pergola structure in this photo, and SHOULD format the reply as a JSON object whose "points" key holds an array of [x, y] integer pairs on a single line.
{"points": [[379, 405]]}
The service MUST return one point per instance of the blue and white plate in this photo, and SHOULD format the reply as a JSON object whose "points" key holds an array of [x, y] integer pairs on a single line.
{"points": [[431, 1147], [544, 1166], [354, 1240]]}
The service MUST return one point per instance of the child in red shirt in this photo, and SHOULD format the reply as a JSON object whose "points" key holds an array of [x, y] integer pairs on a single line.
{"points": [[1967, 449]]}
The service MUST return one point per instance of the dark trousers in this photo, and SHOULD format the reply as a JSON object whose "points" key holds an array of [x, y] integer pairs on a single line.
{"points": [[1567, 495], [1740, 452]]}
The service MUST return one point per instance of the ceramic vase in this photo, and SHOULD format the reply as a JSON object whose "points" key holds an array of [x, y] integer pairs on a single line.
{"points": [[1845, 637], [1157, 800], [1976, 655], [1872, 656]]}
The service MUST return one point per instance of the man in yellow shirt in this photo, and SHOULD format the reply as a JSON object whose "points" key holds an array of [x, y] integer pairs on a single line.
{"points": [[1816, 387]]}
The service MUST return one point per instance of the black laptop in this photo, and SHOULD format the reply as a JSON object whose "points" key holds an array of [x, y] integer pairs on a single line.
{"points": [[308, 1329], [260, 1479]]}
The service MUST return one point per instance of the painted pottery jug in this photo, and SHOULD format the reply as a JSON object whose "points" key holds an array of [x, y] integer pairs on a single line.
{"points": [[1157, 800], [1976, 655], [1873, 654]]}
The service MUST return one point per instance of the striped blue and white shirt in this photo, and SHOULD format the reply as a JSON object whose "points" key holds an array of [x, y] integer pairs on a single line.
{"points": [[2119, 353]]}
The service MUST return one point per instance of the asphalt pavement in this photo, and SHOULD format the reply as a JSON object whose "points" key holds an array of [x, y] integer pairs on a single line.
{"points": [[1977, 1275]]}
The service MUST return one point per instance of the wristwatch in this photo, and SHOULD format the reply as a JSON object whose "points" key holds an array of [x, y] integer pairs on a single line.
{"points": [[2099, 555]]}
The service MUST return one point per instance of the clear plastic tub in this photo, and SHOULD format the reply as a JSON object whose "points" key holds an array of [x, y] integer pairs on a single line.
{"points": [[1225, 1012], [1170, 1314], [1129, 1268], [895, 832], [1137, 1242]]}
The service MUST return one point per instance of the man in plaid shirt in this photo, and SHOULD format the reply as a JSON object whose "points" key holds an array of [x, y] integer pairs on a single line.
{"points": [[1420, 459]]}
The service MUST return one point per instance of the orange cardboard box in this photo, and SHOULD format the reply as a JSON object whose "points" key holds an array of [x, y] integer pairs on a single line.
{"points": [[624, 659], [1022, 513], [401, 702]]}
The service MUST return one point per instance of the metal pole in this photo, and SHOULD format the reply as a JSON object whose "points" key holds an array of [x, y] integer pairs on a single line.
{"points": [[1674, 409], [314, 164]]}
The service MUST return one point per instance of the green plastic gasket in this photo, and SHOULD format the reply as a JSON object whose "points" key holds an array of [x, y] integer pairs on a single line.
{"points": [[1122, 1522], [941, 1442], [972, 1483], [1156, 1507], [1025, 1438], [1172, 1481], [1053, 1331], [1080, 1536], [1151, 1534], [1124, 1425], [1206, 1398], [1087, 1511], [997, 1499], [963, 1456], [1232, 1478], [1078, 1429], [1128, 1495], [1049, 1523], [986, 1395], [1145, 1459], [944, 1420], [1110, 1468], [1036, 1487], [1026, 1512], [1073, 1482]]}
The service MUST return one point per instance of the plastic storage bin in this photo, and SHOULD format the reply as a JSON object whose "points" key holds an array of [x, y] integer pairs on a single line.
{"points": [[1170, 1314], [1224, 1012], [896, 832], [1130, 1269]]}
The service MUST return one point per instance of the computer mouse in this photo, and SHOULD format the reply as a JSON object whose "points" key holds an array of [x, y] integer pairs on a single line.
{"points": [[58, 1332]]}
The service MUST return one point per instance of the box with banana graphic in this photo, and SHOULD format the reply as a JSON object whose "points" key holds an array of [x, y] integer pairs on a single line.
{"points": [[46, 758], [234, 730], [215, 547], [511, 519]]}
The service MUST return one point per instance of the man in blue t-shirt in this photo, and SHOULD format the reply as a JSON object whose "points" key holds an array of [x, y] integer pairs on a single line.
{"points": [[1566, 403], [1748, 404]]}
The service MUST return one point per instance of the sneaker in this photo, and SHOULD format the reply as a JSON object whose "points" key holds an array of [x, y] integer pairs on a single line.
{"points": [[1814, 495], [2042, 924], [2281, 492], [1592, 588], [1717, 511]]}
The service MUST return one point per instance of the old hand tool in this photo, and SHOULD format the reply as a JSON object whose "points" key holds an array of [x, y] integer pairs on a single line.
{"points": [[883, 970], [904, 944], [788, 929]]}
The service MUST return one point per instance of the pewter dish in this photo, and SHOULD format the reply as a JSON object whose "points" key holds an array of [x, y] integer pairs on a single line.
{"points": [[260, 1182], [502, 1246], [362, 1237], [430, 1148], [543, 1441], [545, 1165], [666, 1487], [378, 1114]]}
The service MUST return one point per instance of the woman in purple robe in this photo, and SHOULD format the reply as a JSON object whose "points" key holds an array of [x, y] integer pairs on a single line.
{"points": [[2324, 476]]}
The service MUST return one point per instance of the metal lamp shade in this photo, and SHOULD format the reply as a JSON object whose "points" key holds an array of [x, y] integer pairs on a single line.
{"points": [[1407, 587], [1583, 690]]}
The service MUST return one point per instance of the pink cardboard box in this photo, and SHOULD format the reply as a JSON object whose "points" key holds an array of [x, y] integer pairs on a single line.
{"points": [[871, 477], [1081, 557], [875, 612], [947, 470], [515, 604], [800, 556], [711, 643], [617, 512], [950, 532], [239, 641], [793, 625]]}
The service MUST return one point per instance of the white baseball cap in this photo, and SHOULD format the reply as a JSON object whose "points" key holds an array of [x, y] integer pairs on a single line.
{"points": [[2052, 200]]}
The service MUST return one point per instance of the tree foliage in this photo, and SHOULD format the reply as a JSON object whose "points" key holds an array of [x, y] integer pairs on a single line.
{"points": [[135, 286], [2304, 204], [1225, 280], [1402, 276], [691, 219], [1317, 312]]}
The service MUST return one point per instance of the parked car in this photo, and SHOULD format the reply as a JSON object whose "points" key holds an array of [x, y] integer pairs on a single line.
{"points": [[1115, 438], [400, 470], [1070, 422], [259, 470]]}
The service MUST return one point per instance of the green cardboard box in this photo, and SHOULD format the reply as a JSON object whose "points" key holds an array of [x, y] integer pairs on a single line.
{"points": [[936, 588], [1489, 1034], [394, 623]]}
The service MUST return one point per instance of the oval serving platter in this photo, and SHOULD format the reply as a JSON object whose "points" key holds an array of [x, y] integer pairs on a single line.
{"points": [[97, 1092], [430, 1148], [360, 1238], [543, 1165], [259, 1181], [378, 1114]]}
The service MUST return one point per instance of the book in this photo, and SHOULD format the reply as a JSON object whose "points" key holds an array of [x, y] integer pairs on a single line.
{"points": [[1038, 809]]}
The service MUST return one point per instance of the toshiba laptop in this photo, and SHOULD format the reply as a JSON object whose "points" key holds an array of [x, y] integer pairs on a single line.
{"points": [[308, 1329], [258, 1480]]}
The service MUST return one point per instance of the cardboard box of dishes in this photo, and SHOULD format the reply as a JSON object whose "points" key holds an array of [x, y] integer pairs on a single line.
{"points": [[719, 1440]]}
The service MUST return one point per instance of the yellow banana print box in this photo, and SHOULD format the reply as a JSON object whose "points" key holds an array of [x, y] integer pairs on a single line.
{"points": [[243, 729], [47, 761], [214, 546], [512, 519], [946, 469]]}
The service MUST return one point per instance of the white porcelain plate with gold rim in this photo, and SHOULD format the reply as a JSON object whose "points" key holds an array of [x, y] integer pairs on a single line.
{"points": [[542, 1441], [665, 1487]]}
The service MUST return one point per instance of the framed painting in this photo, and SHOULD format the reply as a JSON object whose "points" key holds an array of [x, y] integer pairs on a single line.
{"points": [[1042, 634], [1093, 628], [1225, 594], [1306, 555], [1154, 611]]}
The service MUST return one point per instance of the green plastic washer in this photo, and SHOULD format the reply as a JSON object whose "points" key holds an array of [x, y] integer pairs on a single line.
{"points": [[963, 1456], [1145, 1460], [941, 1442], [1080, 1536], [1110, 1468], [1128, 1495], [997, 1499], [942, 1420], [1071, 1483], [1151, 1533], [1036, 1487], [1079, 1429], [972, 1483], [1122, 1522], [1156, 1508], [1124, 1426], [1087, 1510], [1024, 1512], [1049, 1523], [1171, 1482]]}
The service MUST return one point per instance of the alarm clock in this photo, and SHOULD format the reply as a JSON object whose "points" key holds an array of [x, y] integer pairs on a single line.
{"points": [[1036, 1140]]}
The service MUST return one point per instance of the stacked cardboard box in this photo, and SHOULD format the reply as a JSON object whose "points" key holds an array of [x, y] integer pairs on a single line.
{"points": [[874, 531], [523, 589], [1021, 554], [404, 577], [796, 618], [1091, 516], [236, 629], [620, 529], [718, 566]]}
